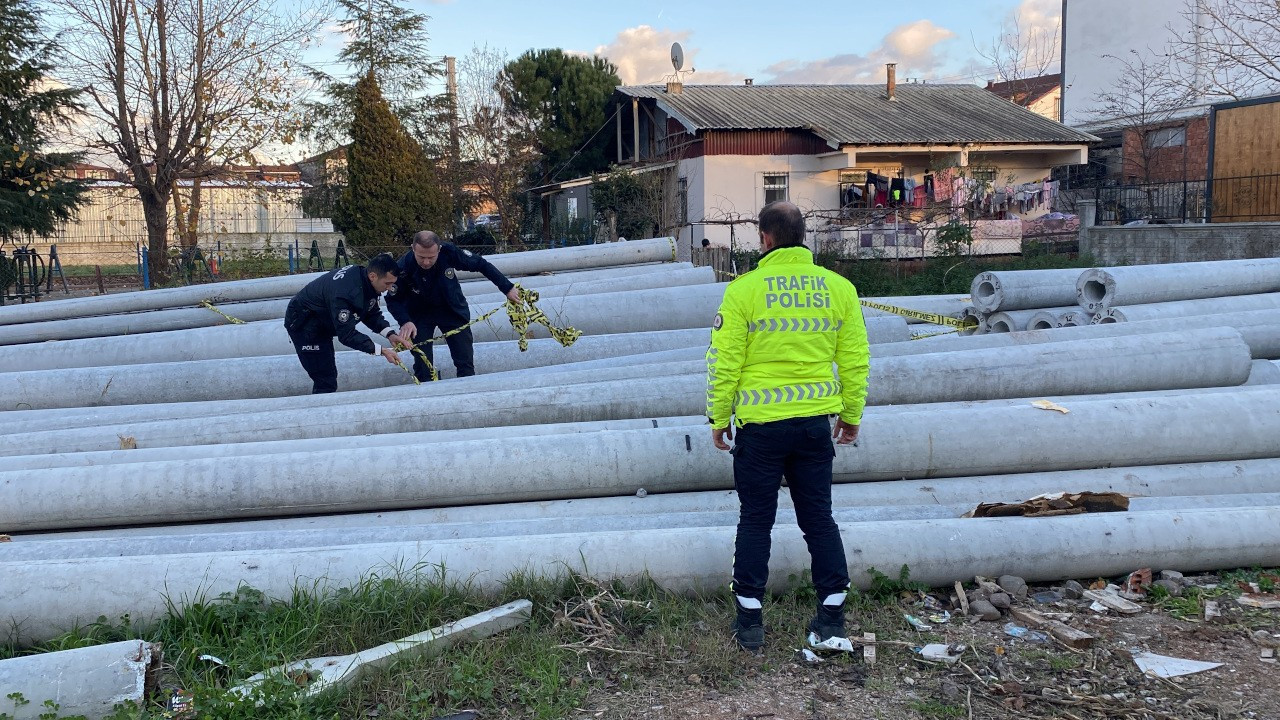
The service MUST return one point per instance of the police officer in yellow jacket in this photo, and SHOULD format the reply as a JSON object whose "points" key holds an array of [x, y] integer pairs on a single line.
{"points": [[780, 329]]}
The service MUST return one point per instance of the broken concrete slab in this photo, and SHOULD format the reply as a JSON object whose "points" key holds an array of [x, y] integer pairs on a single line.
{"points": [[89, 682]]}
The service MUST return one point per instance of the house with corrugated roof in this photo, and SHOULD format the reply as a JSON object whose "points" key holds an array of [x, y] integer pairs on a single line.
{"points": [[834, 150]]}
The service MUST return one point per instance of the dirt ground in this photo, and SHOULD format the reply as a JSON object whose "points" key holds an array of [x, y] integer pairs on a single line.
{"points": [[997, 676]]}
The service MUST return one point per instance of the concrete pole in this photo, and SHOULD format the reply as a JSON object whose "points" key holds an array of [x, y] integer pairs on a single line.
{"points": [[1018, 320], [282, 375], [49, 597], [1264, 372], [86, 682], [1198, 359], [1102, 288], [391, 436], [1188, 308], [1260, 329], [1075, 318], [1230, 426], [1008, 290], [948, 305], [1043, 320], [254, 339], [1246, 478], [530, 262], [184, 318], [273, 539]]}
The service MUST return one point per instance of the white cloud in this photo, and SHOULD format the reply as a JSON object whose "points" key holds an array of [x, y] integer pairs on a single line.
{"points": [[914, 46], [642, 54]]}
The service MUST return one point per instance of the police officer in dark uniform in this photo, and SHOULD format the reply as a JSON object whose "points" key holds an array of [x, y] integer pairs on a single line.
{"points": [[428, 296], [331, 305]]}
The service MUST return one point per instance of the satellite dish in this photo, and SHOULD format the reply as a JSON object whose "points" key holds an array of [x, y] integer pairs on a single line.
{"points": [[677, 57]]}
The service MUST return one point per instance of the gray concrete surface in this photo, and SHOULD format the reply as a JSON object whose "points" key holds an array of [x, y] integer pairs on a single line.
{"points": [[1102, 288], [1006, 290]]}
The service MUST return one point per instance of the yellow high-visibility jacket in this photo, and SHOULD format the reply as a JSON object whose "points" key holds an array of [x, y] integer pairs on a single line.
{"points": [[779, 330]]}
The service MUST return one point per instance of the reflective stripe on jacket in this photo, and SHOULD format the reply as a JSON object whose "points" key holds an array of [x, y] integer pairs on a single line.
{"points": [[780, 329]]}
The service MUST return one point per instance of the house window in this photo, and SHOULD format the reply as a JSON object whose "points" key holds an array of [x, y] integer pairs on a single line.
{"points": [[1166, 137], [986, 177], [682, 192], [775, 188]]}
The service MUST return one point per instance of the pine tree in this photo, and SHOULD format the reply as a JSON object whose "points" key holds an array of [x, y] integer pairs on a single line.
{"points": [[392, 188], [34, 197]]}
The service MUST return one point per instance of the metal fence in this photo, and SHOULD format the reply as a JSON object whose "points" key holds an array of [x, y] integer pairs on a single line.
{"points": [[1253, 198]]}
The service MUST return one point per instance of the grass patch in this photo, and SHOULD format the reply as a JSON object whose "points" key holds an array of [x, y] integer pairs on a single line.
{"points": [[547, 668]]}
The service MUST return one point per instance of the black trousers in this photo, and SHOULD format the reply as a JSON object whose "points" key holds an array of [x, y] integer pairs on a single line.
{"points": [[461, 346], [799, 449], [314, 347]]}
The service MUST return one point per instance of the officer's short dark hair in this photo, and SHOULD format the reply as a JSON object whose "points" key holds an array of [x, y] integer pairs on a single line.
{"points": [[784, 222], [383, 263], [426, 239]]}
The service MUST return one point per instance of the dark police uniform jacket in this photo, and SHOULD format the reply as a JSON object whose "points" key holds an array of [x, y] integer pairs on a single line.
{"points": [[333, 303], [435, 295]]}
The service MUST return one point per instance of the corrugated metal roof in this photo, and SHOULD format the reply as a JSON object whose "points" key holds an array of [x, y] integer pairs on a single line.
{"points": [[923, 114]]}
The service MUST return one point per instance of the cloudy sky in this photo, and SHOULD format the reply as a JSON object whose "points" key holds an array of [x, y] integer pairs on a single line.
{"points": [[819, 41]]}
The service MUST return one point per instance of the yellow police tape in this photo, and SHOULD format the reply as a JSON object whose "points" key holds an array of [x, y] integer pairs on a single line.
{"points": [[521, 315], [934, 318], [208, 305]]}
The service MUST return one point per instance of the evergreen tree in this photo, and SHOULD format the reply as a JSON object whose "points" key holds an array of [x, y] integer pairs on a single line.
{"points": [[392, 190], [566, 98], [34, 197]]}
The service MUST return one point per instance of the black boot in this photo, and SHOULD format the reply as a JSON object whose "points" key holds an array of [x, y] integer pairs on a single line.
{"points": [[826, 630], [748, 628]]}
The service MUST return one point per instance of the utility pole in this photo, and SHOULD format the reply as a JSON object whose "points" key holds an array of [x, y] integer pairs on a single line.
{"points": [[455, 159]]}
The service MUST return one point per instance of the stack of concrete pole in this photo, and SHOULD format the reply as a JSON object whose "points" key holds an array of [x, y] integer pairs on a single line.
{"points": [[141, 470]]}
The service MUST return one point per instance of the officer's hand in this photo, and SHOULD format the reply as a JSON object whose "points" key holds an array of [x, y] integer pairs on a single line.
{"points": [[719, 435], [514, 295], [391, 356], [845, 433], [395, 339], [408, 332]]}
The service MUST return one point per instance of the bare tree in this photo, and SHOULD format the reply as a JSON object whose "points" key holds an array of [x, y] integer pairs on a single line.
{"points": [[181, 89], [1144, 97], [1020, 53], [496, 142], [1231, 49]]}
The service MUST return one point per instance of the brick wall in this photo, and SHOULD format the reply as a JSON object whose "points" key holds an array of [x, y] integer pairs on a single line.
{"points": [[1149, 244], [1167, 164]]}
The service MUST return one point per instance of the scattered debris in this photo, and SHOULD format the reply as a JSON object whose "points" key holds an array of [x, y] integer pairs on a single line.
{"points": [[1001, 601], [1212, 612], [1065, 634], [1267, 655], [962, 598], [5, 538], [1014, 585], [808, 657], [984, 610], [917, 623], [1055, 505], [1136, 584], [1047, 597], [1113, 601], [1072, 590], [1263, 601], [1173, 587], [213, 659], [1049, 405], [128, 442], [1265, 639], [1163, 666], [642, 493], [322, 673], [939, 652], [1017, 631], [1173, 575], [180, 705], [1098, 607], [869, 648], [834, 644]]}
